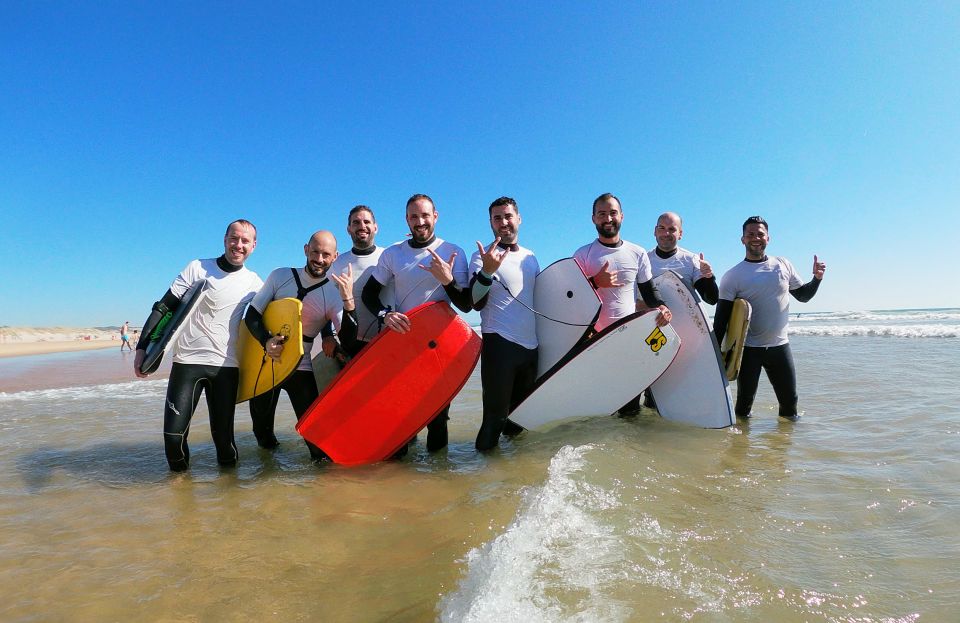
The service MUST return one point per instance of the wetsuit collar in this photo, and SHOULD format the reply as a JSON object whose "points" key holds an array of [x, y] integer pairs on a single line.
{"points": [[226, 266], [611, 245], [422, 245], [366, 251], [665, 254], [747, 259], [509, 247]]}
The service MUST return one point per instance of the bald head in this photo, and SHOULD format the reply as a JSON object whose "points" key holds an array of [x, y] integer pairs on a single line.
{"points": [[320, 251], [669, 231]]}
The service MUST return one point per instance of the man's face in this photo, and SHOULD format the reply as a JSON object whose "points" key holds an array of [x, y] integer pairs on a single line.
{"points": [[755, 239], [505, 222], [422, 219], [239, 243], [362, 229], [668, 232], [607, 217], [320, 255]]}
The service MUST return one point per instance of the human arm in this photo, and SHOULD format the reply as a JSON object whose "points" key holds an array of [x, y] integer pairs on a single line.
{"points": [[721, 318], [651, 298], [805, 292], [167, 304], [443, 272], [371, 298]]}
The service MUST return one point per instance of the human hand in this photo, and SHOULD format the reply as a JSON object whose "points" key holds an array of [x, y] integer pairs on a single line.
{"points": [[137, 362], [706, 270], [274, 347], [345, 285], [397, 322], [664, 316], [328, 345], [490, 257], [442, 271], [818, 268], [606, 278]]}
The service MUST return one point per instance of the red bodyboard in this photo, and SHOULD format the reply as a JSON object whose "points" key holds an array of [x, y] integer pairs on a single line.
{"points": [[397, 384]]}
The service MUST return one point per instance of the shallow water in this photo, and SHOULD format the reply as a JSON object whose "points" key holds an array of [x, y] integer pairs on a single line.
{"points": [[848, 515]]}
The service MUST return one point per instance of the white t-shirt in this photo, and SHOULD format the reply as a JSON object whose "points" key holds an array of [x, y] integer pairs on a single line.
{"points": [[319, 305], [766, 286], [685, 263], [363, 266], [412, 285], [210, 337], [632, 267], [503, 313]]}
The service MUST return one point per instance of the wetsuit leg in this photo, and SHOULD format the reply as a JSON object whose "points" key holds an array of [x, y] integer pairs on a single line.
{"points": [[437, 431], [263, 409], [506, 377], [222, 404], [523, 382], [302, 389], [748, 379], [184, 386], [778, 364]]}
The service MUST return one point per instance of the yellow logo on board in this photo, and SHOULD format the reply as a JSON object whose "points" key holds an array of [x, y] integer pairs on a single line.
{"points": [[656, 339]]}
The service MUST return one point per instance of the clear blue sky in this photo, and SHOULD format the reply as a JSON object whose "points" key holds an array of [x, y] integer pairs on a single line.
{"points": [[132, 132]]}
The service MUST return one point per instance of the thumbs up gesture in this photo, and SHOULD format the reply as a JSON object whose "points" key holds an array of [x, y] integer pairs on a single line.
{"points": [[818, 268], [706, 270]]}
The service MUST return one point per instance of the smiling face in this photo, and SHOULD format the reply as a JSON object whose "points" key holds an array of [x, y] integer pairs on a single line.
{"points": [[668, 231], [362, 229], [422, 219], [320, 253], [755, 240], [505, 222], [608, 217], [239, 242]]}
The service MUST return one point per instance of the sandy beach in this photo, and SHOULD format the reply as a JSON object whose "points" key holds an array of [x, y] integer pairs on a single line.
{"points": [[20, 341]]}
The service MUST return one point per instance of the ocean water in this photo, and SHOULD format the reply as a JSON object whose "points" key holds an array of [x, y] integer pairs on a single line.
{"points": [[850, 514]]}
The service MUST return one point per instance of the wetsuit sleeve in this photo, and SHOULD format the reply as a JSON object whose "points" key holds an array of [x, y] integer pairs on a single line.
{"points": [[480, 289], [326, 330], [371, 296], [348, 330], [459, 296], [254, 321], [650, 294], [168, 303], [707, 288], [721, 318], [805, 292]]}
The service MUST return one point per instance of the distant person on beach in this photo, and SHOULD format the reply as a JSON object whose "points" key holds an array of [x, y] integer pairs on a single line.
{"points": [[361, 258], [618, 269], [205, 354], [324, 300], [508, 359], [125, 336], [421, 269], [765, 282]]}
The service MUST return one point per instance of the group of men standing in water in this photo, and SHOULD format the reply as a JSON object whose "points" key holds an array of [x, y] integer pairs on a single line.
{"points": [[497, 281]]}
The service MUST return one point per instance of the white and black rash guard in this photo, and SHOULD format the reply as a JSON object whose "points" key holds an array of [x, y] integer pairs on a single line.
{"points": [[399, 265], [766, 284], [210, 338], [687, 266], [321, 304], [632, 266], [505, 308], [363, 262]]}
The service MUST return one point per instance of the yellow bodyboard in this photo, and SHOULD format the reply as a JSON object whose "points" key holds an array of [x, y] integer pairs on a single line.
{"points": [[734, 338], [259, 373]]}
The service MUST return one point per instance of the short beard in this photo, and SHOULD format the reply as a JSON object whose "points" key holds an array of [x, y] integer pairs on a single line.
{"points": [[309, 271], [603, 234]]}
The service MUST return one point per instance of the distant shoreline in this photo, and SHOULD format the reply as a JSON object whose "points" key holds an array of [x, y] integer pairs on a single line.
{"points": [[23, 341], [22, 349]]}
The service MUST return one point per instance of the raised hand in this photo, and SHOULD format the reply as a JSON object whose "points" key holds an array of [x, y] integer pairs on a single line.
{"points": [[345, 285], [442, 271], [818, 268], [490, 257], [606, 278], [705, 269]]}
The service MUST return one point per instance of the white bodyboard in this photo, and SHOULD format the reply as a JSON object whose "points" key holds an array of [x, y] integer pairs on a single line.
{"points": [[603, 374], [694, 389], [568, 307]]}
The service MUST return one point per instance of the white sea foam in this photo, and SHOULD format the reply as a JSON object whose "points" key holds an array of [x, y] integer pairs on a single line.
{"points": [[555, 547], [879, 330], [919, 315], [86, 392]]}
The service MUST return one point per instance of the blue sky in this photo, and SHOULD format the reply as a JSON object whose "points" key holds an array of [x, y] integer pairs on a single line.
{"points": [[133, 132]]}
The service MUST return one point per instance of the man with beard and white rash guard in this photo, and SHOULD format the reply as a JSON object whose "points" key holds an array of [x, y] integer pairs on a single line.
{"points": [[415, 283], [362, 258], [205, 353], [765, 281], [508, 360], [617, 269], [327, 297]]}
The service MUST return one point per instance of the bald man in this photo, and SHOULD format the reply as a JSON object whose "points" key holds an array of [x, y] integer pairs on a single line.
{"points": [[325, 299], [692, 268]]}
